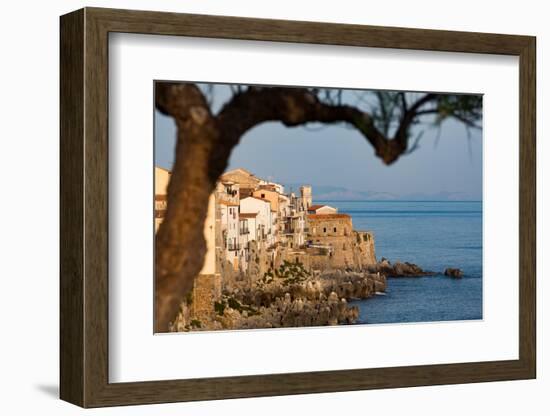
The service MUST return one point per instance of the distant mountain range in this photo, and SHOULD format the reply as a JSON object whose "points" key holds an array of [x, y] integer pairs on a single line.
{"points": [[338, 193]]}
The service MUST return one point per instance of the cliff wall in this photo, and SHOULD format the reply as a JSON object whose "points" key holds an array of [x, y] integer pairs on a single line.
{"points": [[354, 251]]}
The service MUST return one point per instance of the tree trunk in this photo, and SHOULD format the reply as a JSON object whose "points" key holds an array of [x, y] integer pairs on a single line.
{"points": [[180, 245]]}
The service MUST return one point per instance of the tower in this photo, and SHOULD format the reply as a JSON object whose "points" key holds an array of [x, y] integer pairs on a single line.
{"points": [[305, 193]]}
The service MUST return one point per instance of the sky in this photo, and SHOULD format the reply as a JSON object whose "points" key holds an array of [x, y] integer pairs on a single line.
{"points": [[446, 161]]}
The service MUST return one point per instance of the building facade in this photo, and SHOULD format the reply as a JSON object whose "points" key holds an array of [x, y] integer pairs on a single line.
{"points": [[252, 226], [264, 218]]}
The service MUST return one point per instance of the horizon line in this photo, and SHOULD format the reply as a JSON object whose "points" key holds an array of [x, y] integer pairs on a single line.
{"points": [[398, 200]]}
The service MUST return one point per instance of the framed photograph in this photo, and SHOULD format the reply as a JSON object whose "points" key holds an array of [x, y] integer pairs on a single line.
{"points": [[256, 207]]}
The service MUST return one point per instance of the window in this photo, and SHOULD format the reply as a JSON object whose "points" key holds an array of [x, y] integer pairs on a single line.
{"points": [[324, 229], [263, 195], [334, 229]]}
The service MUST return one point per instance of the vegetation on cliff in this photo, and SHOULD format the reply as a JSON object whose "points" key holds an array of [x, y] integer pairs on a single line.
{"points": [[288, 296]]}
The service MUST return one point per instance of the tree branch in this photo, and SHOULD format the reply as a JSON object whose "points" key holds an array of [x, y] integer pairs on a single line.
{"points": [[297, 106]]}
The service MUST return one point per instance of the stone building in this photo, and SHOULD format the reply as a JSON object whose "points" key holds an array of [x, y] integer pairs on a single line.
{"points": [[227, 191], [322, 226], [247, 181], [333, 243], [306, 198]]}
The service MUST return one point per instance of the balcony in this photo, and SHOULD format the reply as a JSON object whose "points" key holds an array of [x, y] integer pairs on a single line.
{"points": [[233, 247], [243, 231], [160, 205]]}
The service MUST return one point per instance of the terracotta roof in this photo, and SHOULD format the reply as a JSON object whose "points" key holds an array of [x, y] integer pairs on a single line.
{"points": [[246, 171], [244, 174], [228, 203], [316, 206], [248, 214], [321, 217]]}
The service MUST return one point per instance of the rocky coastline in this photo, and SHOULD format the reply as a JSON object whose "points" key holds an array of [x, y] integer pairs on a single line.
{"points": [[290, 296], [398, 269]]}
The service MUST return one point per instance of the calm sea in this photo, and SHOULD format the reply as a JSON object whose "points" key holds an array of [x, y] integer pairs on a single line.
{"points": [[435, 235]]}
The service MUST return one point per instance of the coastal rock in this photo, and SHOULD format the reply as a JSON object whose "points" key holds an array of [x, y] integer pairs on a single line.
{"points": [[332, 298], [379, 286], [299, 298], [454, 273], [284, 301], [386, 269]]}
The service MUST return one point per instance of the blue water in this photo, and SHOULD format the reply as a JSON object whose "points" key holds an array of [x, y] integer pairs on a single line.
{"points": [[435, 235]]}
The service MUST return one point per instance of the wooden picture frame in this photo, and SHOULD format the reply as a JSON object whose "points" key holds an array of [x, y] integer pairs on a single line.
{"points": [[84, 207]]}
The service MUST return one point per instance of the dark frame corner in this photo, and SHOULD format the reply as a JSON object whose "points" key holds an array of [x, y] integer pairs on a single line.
{"points": [[84, 209]]}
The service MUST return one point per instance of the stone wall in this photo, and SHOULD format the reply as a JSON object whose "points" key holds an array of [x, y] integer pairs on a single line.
{"points": [[366, 246], [260, 261], [207, 289], [293, 256], [343, 252], [333, 244], [329, 225]]}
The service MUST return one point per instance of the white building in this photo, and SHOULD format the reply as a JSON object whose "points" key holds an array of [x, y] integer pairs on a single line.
{"points": [[277, 187], [227, 191], [229, 214], [322, 209], [264, 218], [247, 233]]}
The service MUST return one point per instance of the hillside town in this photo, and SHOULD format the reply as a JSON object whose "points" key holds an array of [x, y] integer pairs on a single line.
{"points": [[256, 229]]}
